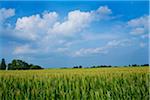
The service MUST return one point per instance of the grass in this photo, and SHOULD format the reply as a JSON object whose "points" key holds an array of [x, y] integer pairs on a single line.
{"points": [[76, 84]]}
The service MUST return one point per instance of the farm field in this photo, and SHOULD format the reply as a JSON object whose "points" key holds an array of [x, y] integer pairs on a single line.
{"points": [[76, 84]]}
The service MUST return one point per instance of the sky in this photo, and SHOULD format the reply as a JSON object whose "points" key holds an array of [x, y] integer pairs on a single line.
{"points": [[70, 33]]}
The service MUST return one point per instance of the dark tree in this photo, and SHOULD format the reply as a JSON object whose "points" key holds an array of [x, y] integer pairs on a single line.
{"points": [[35, 67], [75, 67], [10, 66], [134, 65], [80, 66], [145, 65], [93, 67], [129, 65], [109, 66], [17, 64], [3, 65]]}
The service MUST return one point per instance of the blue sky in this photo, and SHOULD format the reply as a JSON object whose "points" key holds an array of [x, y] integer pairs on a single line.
{"points": [[66, 34]]}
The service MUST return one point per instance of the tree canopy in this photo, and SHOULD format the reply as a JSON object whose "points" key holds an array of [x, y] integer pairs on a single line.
{"points": [[17, 64], [3, 65]]}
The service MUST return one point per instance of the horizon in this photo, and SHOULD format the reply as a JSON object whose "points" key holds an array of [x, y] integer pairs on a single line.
{"points": [[78, 66], [62, 34]]}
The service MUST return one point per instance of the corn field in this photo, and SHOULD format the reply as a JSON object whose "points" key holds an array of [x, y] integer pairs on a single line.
{"points": [[76, 84]]}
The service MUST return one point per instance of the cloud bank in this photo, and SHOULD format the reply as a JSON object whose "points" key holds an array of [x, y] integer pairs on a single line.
{"points": [[49, 33]]}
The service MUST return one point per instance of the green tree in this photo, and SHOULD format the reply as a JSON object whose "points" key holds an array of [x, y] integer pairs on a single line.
{"points": [[17, 64], [3, 65], [10, 66], [35, 66]]}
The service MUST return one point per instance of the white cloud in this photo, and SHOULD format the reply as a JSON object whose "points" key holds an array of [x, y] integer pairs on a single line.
{"points": [[104, 10], [139, 26], [5, 19], [89, 51], [24, 49], [137, 31], [118, 43], [49, 34], [102, 50], [137, 22], [35, 26], [44, 29], [6, 13], [76, 21]]}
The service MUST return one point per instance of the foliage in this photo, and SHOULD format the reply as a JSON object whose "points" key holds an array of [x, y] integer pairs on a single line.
{"points": [[17, 64], [77, 66], [35, 67], [75, 84], [3, 65], [107, 66]]}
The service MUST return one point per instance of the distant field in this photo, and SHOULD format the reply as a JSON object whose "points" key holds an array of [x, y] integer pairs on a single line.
{"points": [[76, 84]]}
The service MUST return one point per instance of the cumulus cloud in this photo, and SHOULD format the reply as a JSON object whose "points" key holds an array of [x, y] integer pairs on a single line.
{"points": [[35, 26], [76, 21], [44, 29], [47, 32], [6, 13], [102, 12], [139, 26]]}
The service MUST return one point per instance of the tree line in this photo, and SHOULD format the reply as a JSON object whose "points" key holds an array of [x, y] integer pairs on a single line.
{"points": [[17, 64], [107, 66]]}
